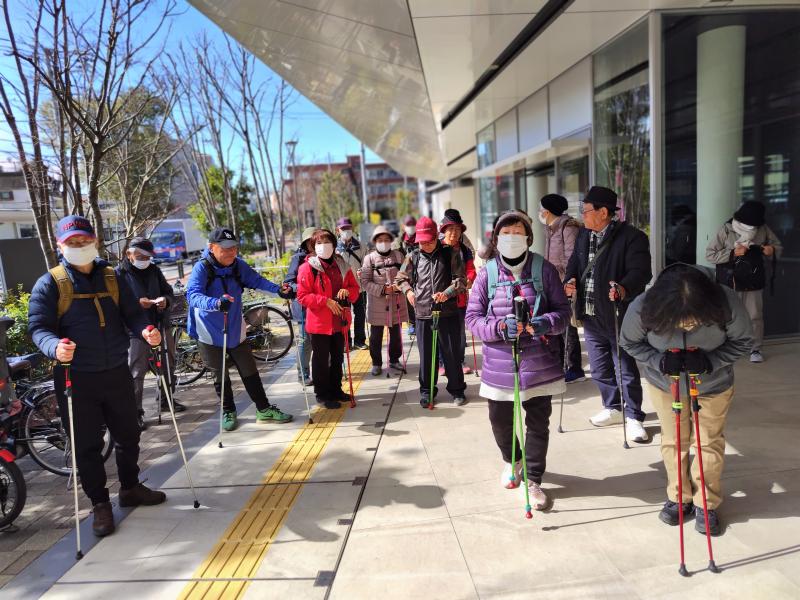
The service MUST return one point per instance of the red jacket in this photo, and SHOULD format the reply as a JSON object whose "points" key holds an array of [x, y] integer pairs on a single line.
{"points": [[316, 283]]}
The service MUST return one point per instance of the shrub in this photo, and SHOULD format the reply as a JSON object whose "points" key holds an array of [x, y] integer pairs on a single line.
{"points": [[15, 305]]}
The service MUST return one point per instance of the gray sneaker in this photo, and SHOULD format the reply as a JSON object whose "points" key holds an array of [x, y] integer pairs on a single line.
{"points": [[756, 356], [376, 370], [459, 400], [539, 498]]}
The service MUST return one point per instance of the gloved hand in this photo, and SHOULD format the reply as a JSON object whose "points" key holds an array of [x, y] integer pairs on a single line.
{"points": [[509, 328], [671, 363], [541, 326], [696, 362], [286, 292], [224, 303]]}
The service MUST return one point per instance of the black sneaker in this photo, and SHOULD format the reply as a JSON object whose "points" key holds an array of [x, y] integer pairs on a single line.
{"points": [[178, 406], [341, 395], [360, 346], [714, 526], [669, 514], [328, 403], [424, 402]]}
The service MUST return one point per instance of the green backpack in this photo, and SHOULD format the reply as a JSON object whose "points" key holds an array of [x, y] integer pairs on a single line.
{"points": [[493, 276]]}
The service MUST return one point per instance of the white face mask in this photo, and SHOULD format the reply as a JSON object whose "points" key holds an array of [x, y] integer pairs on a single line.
{"points": [[384, 246], [512, 245], [542, 218], [347, 234], [410, 230], [324, 250], [79, 257], [141, 264]]}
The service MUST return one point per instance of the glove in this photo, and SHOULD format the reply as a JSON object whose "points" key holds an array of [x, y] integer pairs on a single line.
{"points": [[671, 363], [510, 332], [540, 326], [286, 292], [696, 362], [225, 303]]}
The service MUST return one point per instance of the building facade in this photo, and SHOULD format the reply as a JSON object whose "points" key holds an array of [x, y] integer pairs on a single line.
{"points": [[685, 107]]}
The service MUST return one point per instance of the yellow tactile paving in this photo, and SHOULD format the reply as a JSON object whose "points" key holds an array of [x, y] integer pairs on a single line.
{"points": [[244, 544]]}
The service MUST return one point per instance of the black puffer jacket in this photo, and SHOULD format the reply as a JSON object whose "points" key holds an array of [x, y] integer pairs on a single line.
{"points": [[97, 348], [147, 283], [626, 261], [426, 274]]}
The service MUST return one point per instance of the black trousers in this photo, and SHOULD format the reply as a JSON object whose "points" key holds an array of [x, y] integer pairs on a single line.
{"points": [[101, 398], [572, 349], [449, 342], [537, 432], [242, 357], [360, 319], [376, 344], [326, 365]]}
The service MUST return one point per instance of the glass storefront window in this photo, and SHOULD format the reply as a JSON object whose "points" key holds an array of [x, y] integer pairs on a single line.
{"points": [[497, 194], [485, 147], [622, 124], [731, 131], [573, 181]]}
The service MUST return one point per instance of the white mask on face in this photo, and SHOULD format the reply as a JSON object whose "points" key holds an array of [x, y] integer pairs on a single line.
{"points": [[141, 264], [324, 250], [384, 246], [542, 218], [410, 230], [347, 234], [512, 245], [79, 256]]}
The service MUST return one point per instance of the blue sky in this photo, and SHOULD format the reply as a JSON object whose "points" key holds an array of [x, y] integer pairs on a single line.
{"points": [[319, 136]]}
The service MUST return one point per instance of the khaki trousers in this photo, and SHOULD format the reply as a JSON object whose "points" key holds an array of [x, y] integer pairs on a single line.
{"points": [[713, 412], [754, 304]]}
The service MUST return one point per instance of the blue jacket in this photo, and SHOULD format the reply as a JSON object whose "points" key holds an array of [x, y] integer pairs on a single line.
{"points": [[298, 258], [97, 349], [205, 319]]}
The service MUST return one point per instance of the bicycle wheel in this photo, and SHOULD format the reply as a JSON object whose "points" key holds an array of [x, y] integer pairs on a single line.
{"points": [[189, 366], [47, 440], [269, 332], [13, 492]]}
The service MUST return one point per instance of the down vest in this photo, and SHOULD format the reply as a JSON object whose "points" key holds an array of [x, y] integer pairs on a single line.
{"points": [[317, 281], [540, 362], [376, 272]]}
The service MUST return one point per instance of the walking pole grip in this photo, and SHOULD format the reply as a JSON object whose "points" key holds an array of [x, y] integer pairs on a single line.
{"points": [[70, 416]]}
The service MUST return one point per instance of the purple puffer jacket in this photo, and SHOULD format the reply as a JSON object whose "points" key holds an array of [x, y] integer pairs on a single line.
{"points": [[540, 362]]}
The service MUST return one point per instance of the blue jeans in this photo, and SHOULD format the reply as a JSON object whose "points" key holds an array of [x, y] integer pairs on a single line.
{"points": [[602, 348], [303, 351]]}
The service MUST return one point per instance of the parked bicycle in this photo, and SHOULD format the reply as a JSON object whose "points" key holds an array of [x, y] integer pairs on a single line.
{"points": [[268, 330]]}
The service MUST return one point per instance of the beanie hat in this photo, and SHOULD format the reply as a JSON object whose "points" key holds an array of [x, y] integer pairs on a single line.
{"points": [[409, 220], [426, 230], [344, 223], [601, 197], [751, 213], [555, 203], [451, 217]]}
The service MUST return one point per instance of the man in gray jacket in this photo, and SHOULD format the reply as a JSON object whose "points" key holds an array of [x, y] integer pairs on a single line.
{"points": [[561, 231], [746, 237]]}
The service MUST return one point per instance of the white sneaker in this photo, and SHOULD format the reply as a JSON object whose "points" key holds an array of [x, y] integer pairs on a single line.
{"points": [[756, 357], [607, 416], [539, 498], [505, 478], [636, 431]]}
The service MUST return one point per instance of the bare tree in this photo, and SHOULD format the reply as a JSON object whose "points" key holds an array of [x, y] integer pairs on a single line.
{"points": [[20, 101], [111, 52]]}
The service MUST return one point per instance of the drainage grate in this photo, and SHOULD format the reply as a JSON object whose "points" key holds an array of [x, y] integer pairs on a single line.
{"points": [[360, 481], [324, 578], [344, 522], [379, 424]]}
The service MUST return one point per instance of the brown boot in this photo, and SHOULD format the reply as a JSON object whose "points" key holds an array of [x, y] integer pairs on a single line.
{"points": [[103, 523], [141, 495]]}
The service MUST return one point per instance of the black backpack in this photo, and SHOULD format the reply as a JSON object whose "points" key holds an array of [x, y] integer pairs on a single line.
{"points": [[745, 273]]}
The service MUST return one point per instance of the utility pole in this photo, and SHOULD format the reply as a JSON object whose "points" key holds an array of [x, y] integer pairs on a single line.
{"points": [[364, 195], [299, 200]]}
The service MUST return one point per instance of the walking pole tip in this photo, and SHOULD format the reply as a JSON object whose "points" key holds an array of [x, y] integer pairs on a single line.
{"points": [[196, 504], [712, 566], [682, 570], [560, 429]]}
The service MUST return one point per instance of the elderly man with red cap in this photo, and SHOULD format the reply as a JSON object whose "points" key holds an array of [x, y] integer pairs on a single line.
{"points": [[431, 277]]}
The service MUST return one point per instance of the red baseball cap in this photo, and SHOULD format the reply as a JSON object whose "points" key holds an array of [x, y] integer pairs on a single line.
{"points": [[426, 230]]}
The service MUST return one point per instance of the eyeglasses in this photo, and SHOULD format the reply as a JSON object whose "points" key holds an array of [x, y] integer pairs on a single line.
{"points": [[583, 212]]}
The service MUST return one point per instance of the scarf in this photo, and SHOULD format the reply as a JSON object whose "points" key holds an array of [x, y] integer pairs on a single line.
{"points": [[746, 233]]}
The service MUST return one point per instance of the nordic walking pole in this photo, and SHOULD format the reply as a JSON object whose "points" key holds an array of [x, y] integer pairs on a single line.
{"points": [[474, 356], [564, 366], [521, 314], [223, 373], [435, 339], [618, 369], [677, 406], [346, 330], [156, 350], [691, 383], [300, 362], [68, 394], [389, 302]]}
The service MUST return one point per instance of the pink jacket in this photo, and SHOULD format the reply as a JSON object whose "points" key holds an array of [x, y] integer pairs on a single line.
{"points": [[560, 238]]}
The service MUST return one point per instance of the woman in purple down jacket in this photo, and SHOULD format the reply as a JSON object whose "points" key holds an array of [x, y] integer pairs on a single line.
{"points": [[541, 375]]}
